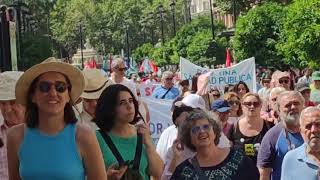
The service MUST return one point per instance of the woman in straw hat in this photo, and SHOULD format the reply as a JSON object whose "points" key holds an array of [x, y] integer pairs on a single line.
{"points": [[51, 145]]}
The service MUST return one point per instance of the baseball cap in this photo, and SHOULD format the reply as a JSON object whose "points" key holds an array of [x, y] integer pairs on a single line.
{"points": [[302, 86], [316, 76], [220, 105], [192, 100]]}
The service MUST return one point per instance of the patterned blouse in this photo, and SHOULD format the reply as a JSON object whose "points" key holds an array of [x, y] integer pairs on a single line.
{"points": [[237, 166]]}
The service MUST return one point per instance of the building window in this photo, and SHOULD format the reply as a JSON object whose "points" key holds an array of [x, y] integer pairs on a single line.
{"points": [[193, 9]]}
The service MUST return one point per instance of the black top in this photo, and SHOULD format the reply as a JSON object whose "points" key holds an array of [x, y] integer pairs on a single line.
{"points": [[249, 145], [237, 166]]}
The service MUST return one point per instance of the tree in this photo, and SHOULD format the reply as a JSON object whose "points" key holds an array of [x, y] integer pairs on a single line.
{"points": [[257, 34], [300, 37], [146, 50]]}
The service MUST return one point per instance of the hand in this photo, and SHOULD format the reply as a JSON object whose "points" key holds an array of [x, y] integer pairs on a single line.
{"points": [[177, 148], [144, 130], [115, 174]]}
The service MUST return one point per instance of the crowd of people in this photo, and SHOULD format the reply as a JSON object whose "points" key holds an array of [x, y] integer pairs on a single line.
{"points": [[58, 122]]}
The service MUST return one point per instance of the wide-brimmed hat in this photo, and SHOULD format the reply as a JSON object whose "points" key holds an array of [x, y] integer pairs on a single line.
{"points": [[283, 74], [192, 100], [96, 83], [8, 82], [75, 76]]}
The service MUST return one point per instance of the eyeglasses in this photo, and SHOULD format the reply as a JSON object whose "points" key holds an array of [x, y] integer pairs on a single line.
{"points": [[197, 129], [274, 99], [249, 104], [265, 81], [169, 79], [309, 125], [283, 81], [45, 86], [122, 69], [216, 95], [234, 103]]}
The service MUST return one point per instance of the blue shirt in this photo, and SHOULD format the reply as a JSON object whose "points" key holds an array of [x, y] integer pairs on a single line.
{"points": [[160, 91], [50, 157], [274, 146], [297, 165]]}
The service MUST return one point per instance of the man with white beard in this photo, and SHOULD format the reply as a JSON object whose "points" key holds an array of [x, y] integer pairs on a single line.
{"points": [[303, 162], [283, 137]]}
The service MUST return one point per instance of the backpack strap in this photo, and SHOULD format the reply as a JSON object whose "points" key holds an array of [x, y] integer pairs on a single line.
{"points": [[137, 156], [112, 147], [164, 95]]}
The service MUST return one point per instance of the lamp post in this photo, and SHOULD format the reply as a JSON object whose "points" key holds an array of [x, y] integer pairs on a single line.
{"points": [[127, 40], [173, 6], [81, 29], [212, 23], [234, 12], [161, 11], [150, 21]]}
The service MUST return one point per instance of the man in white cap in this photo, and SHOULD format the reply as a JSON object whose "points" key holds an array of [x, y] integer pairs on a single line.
{"points": [[95, 85], [283, 80], [11, 114]]}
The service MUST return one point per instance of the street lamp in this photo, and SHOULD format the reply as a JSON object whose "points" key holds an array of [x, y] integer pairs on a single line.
{"points": [[234, 12], [150, 20], [161, 12], [212, 23], [81, 29], [127, 39], [173, 6]]}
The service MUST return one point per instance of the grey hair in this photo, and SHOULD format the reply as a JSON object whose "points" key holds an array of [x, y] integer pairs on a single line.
{"points": [[306, 111], [166, 74], [290, 93], [185, 128], [276, 91], [116, 62]]}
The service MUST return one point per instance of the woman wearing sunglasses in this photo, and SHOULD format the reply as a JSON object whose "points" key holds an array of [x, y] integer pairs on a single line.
{"points": [[50, 145], [201, 134], [248, 132], [235, 107], [122, 133]]}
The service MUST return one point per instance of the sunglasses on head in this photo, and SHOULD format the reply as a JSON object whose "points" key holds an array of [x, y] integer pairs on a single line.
{"points": [[122, 69], [284, 81], [197, 129], [59, 86], [249, 104]]}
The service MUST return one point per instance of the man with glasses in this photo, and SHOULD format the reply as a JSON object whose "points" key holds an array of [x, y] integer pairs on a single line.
{"points": [[283, 80], [303, 162], [283, 137], [118, 75], [166, 90]]}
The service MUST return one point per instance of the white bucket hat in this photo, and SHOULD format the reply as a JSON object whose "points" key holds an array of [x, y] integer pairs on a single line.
{"points": [[8, 82], [192, 100], [96, 83]]}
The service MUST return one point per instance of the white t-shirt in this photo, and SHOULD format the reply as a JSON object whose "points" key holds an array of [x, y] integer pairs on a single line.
{"points": [[166, 140]]}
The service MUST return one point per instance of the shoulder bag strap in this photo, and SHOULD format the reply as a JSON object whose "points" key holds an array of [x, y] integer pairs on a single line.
{"points": [[112, 147], [197, 168], [137, 156], [164, 95]]}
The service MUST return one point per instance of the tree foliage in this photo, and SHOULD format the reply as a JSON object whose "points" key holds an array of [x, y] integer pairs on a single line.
{"points": [[300, 37], [257, 34]]}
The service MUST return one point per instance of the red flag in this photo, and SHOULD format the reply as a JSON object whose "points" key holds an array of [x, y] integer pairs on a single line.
{"points": [[228, 58]]}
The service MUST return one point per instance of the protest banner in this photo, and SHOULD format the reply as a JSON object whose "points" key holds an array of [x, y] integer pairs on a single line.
{"points": [[147, 89], [244, 71], [160, 115]]}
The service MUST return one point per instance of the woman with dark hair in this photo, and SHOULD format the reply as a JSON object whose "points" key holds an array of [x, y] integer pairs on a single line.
{"points": [[229, 88], [51, 146], [201, 134], [194, 83], [241, 89], [235, 106], [116, 116]]}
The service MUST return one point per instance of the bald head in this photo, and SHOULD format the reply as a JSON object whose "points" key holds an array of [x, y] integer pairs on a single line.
{"points": [[308, 113], [310, 129]]}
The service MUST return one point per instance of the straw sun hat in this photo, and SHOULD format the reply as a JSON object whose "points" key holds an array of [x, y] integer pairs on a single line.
{"points": [[75, 76], [96, 83]]}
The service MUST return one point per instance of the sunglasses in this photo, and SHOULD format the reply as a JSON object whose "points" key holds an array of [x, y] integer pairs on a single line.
{"points": [[59, 86], [234, 103], [216, 95], [249, 104], [122, 69], [266, 81], [283, 81], [169, 79], [197, 129]]}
